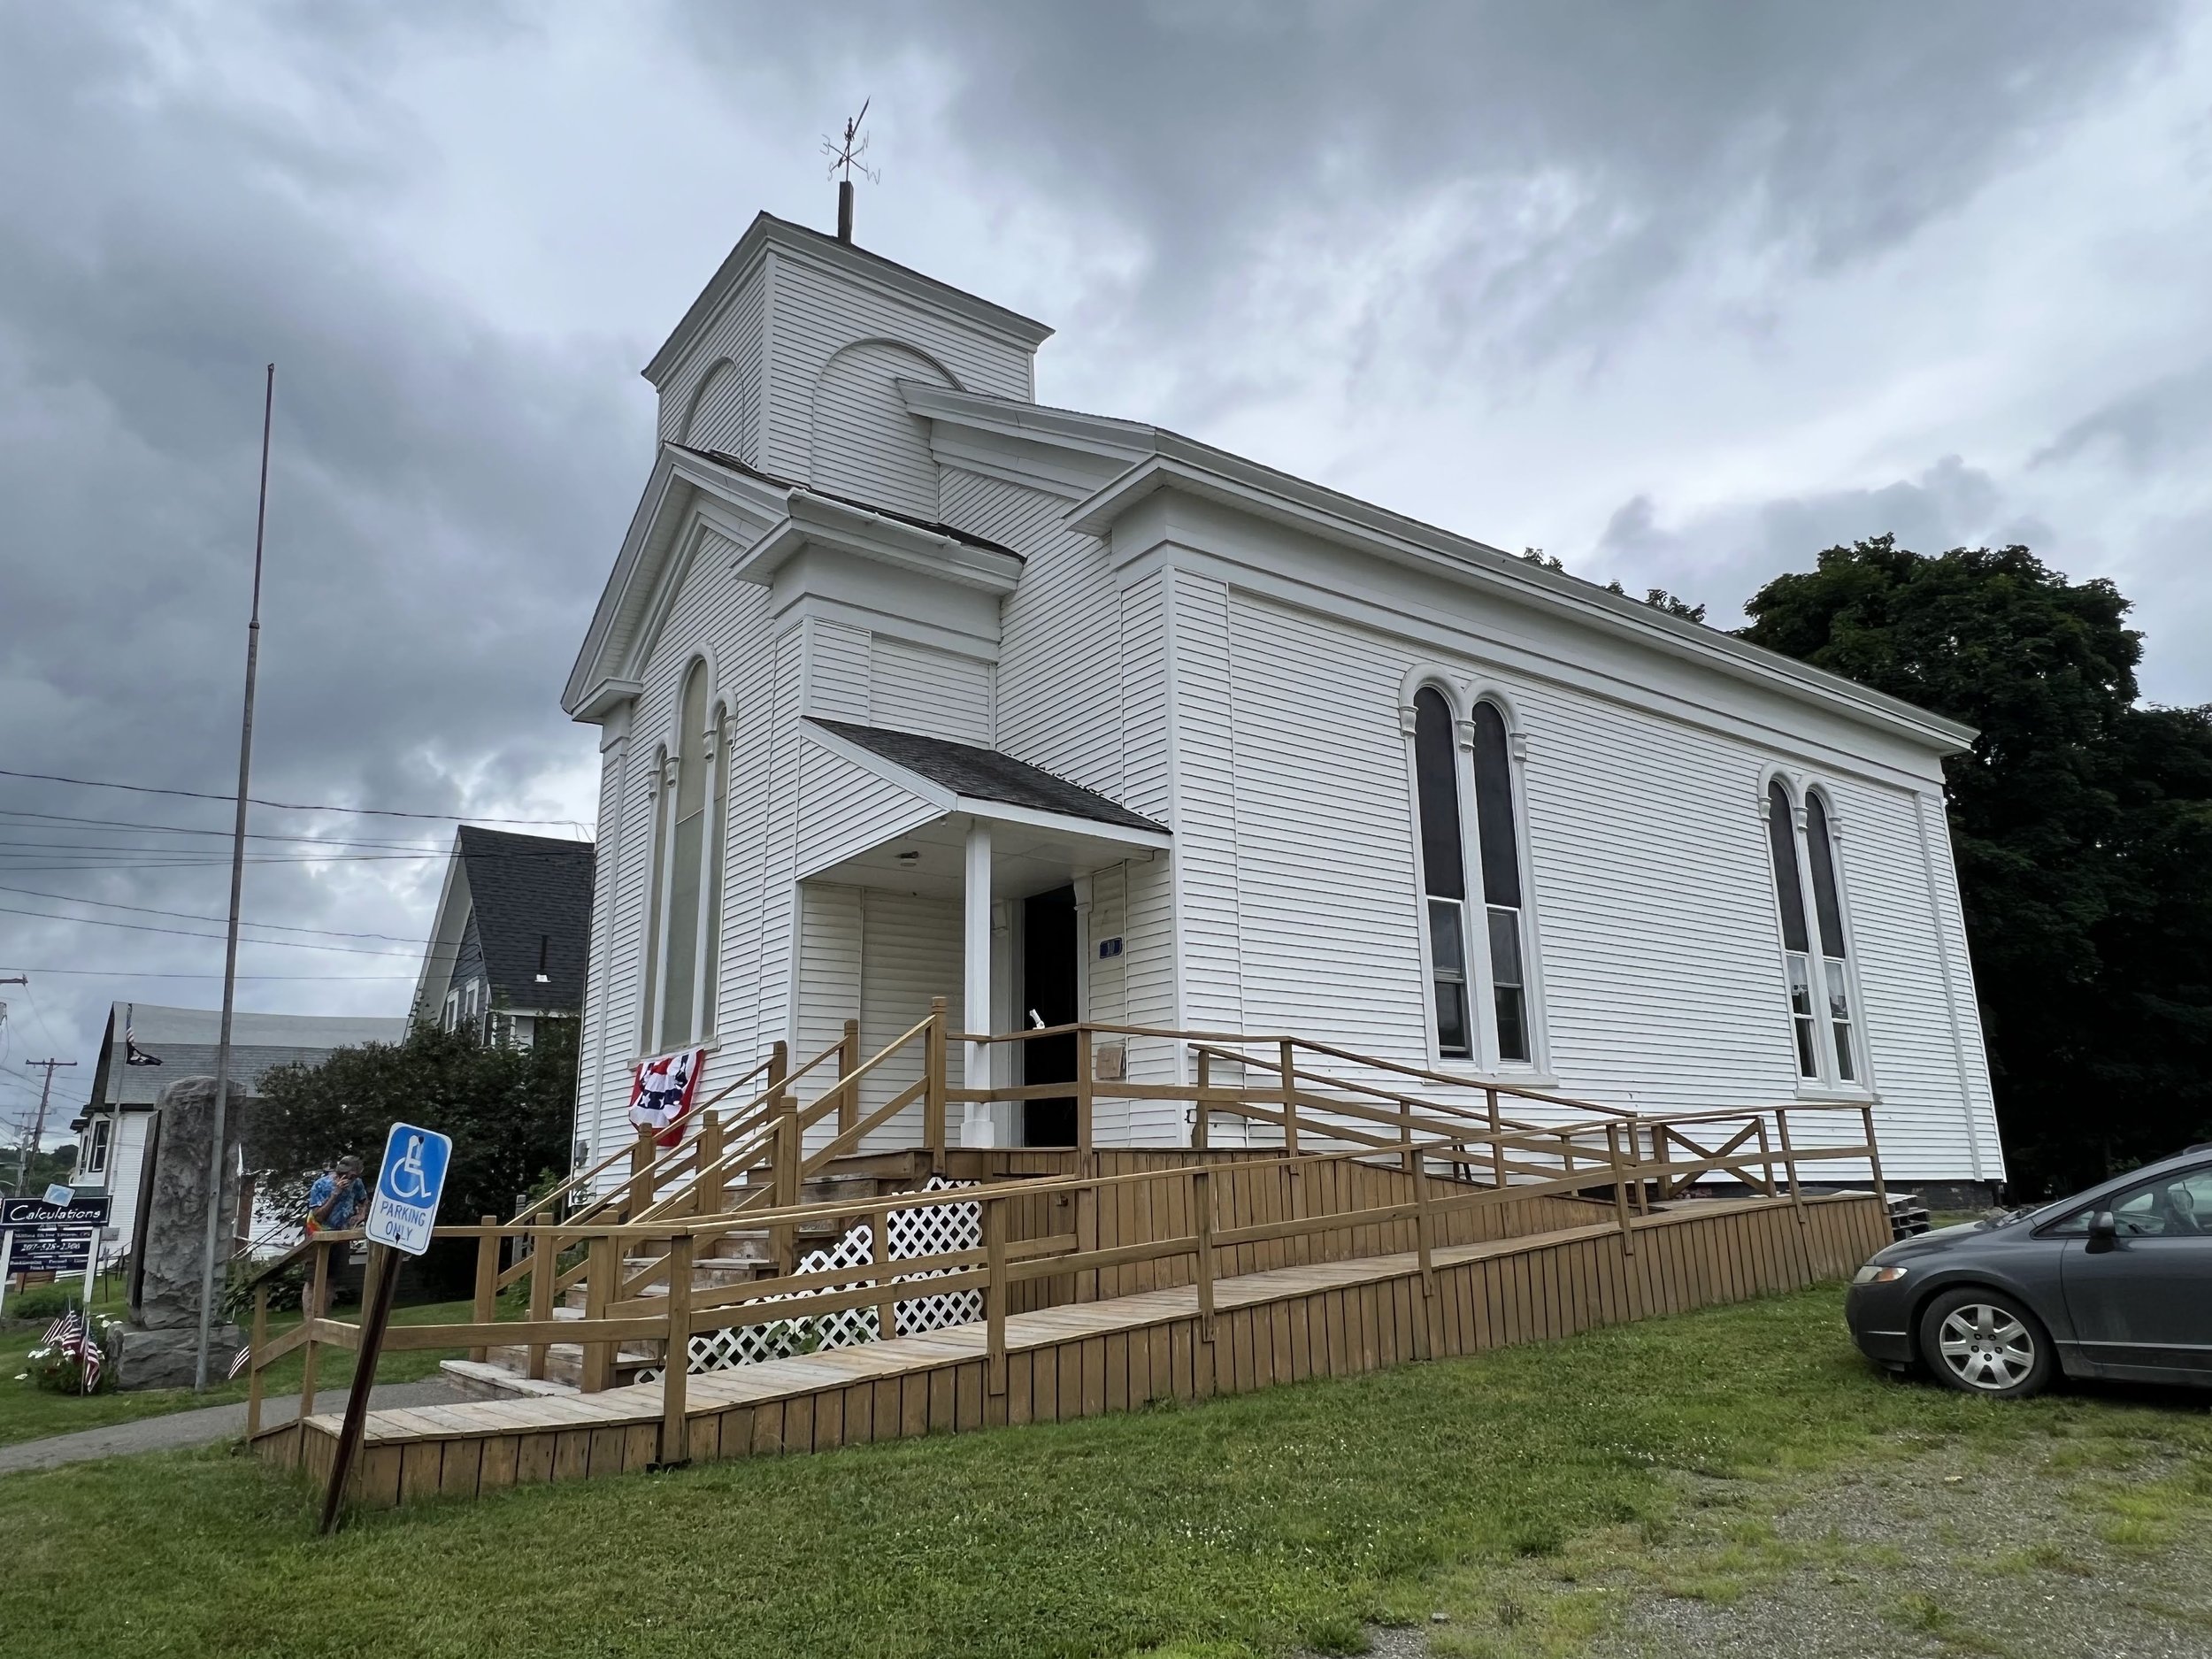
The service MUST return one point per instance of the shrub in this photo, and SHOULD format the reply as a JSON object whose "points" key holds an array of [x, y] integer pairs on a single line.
{"points": [[46, 1302]]}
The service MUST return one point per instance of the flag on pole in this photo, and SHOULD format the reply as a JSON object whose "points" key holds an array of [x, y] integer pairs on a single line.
{"points": [[133, 1054], [239, 1360]]}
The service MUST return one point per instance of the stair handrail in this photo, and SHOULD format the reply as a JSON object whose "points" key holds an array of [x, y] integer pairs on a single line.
{"points": [[544, 1204]]}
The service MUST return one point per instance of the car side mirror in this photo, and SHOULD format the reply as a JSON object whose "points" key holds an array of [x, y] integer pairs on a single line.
{"points": [[2104, 1233]]}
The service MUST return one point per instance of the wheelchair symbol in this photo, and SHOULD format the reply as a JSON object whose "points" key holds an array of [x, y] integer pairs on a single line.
{"points": [[408, 1182]]}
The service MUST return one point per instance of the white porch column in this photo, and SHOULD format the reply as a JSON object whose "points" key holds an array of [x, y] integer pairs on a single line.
{"points": [[975, 1006]]}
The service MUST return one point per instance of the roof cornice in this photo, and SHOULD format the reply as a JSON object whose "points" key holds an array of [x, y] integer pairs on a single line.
{"points": [[1205, 473], [855, 262], [820, 521]]}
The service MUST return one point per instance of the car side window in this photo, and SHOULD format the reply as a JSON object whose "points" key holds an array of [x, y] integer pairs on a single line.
{"points": [[2177, 1204]]}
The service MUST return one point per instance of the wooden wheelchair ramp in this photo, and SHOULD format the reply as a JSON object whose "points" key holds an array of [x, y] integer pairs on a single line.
{"points": [[1329, 1318]]}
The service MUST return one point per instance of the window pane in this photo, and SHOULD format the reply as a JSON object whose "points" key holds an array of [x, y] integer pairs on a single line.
{"points": [[1505, 946], [1494, 809], [1447, 957], [1789, 893], [1821, 851], [1839, 1016], [1800, 978], [1448, 947], [717, 839], [1436, 777], [683, 931]]}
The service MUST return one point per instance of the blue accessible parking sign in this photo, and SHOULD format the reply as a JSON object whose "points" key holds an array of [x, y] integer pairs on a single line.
{"points": [[408, 1187]]}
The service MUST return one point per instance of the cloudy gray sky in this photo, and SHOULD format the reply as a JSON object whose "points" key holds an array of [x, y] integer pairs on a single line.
{"points": [[1681, 293]]}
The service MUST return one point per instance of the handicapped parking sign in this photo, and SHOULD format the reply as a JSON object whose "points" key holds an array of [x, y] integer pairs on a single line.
{"points": [[408, 1187]]}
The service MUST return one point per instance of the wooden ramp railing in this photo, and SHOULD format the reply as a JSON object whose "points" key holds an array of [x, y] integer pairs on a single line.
{"points": [[1453, 1163]]}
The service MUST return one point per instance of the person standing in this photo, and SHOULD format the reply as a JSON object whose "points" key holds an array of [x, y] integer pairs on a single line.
{"points": [[335, 1203]]}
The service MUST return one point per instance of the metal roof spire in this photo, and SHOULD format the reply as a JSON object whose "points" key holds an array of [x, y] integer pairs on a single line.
{"points": [[844, 157]]}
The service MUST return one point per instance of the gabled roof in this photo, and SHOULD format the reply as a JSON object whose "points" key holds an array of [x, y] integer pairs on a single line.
{"points": [[531, 896], [1148, 459], [985, 774], [184, 1040], [767, 231]]}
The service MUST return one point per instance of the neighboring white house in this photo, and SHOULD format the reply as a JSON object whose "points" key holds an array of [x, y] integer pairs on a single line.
{"points": [[146, 1048], [909, 686]]}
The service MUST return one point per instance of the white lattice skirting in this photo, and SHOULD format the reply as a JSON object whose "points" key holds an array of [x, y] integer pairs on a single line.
{"points": [[935, 1230]]}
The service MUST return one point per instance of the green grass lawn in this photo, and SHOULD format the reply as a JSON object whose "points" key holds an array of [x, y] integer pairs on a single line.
{"points": [[29, 1414], [1244, 1525]]}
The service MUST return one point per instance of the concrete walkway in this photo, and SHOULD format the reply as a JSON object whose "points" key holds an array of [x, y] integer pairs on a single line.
{"points": [[205, 1426]]}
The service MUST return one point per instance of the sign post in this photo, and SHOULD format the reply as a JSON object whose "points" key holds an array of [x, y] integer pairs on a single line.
{"points": [[401, 1213]]}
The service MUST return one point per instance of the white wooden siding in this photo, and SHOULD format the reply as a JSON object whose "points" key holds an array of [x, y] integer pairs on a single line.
{"points": [[1059, 698], [836, 670], [1211, 948], [1649, 879], [819, 312], [846, 810], [865, 444], [912, 954], [710, 409], [939, 694], [831, 934]]}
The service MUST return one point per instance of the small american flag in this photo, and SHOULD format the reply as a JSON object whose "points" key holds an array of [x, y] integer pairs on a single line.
{"points": [[74, 1335], [240, 1361]]}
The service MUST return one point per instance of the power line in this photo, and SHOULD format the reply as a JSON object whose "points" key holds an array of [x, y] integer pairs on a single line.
{"points": [[175, 861], [105, 826], [281, 806], [194, 916], [185, 933], [134, 973]]}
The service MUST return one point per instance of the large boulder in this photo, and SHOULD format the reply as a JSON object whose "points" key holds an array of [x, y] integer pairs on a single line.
{"points": [[161, 1342]]}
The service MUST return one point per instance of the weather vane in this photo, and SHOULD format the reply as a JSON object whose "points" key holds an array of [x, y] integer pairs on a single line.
{"points": [[845, 157]]}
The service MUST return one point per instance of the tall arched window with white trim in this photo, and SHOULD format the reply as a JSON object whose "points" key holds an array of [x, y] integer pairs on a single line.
{"points": [[1828, 911], [1443, 869], [686, 882], [1498, 824], [657, 797], [718, 843], [1824, 1024], [1789, 895]]}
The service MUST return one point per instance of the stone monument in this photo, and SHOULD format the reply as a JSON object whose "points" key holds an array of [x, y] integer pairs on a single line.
{"points": [[161, 1342]]}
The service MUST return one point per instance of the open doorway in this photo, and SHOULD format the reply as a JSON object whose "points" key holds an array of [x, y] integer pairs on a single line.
{"points": [[1049, 998]]}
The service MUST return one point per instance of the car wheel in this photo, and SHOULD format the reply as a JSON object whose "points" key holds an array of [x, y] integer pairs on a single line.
{"points": [[1984, 1342]]}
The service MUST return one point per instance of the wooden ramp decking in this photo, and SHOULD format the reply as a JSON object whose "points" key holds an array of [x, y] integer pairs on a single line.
{"points": [[1281, 1325]]}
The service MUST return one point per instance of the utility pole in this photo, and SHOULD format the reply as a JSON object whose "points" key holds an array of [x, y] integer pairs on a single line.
{"points": [[215, 1169], [38, 1130]]}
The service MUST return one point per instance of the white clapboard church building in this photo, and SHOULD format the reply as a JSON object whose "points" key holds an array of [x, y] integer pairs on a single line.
{"points": [[910, 685]]}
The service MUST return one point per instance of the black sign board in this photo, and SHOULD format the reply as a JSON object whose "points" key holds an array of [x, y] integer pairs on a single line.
{"points": [[91, 1210], [62, 1250]]}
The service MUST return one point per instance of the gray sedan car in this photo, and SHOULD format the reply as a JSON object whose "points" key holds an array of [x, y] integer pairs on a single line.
{"points": [[2116, 1281]]}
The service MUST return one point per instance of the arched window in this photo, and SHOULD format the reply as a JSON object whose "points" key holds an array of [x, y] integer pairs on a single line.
{"points": [[1789, 893], [1828, 911], [1497, 822], [1822, 1024], [689, 887], [1443, 869]]}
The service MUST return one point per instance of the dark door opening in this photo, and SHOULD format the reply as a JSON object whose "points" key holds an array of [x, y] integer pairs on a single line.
{"points": [[1048, 947]]}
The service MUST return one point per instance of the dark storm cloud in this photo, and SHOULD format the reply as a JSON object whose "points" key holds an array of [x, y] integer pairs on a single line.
{"points": [[1597, 147], [442, 505], [1721, 556]]}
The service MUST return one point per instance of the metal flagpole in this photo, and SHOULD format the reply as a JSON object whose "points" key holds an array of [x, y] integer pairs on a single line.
{"points": [[216, 1171]]}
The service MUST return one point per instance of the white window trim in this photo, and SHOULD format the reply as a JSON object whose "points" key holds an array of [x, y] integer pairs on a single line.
{"points": [[714, 744], [99, 1145], [1483, 1065], [1830, 1085]]}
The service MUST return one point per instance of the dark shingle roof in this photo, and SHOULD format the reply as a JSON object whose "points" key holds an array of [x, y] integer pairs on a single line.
{"points": [[986, 775], [723, 457], [530, 893]]}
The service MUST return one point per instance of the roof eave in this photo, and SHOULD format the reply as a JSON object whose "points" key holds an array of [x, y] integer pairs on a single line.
{"points": [[1214, 475], [815, 520]]}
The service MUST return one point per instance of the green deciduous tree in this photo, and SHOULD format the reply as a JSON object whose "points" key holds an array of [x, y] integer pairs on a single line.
{"points": [[509, 1109], [2082, 825]]}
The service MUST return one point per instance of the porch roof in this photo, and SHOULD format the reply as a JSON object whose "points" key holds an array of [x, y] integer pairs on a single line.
{"points": [[985, 774]]}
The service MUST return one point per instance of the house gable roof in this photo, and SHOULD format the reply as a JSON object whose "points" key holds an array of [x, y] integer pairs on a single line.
{"points": [[530, 901]]}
